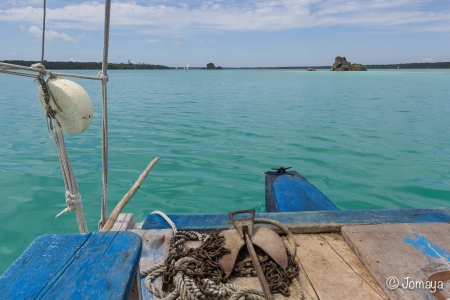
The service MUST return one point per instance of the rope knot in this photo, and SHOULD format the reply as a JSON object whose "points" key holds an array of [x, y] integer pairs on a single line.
{"points": [[100, 75], [39, 66], [73, 201]]}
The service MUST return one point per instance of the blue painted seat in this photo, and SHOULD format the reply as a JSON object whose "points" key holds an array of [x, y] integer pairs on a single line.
{"points": [[99, 265]]}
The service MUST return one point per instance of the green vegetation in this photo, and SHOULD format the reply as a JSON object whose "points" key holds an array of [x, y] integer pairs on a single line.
{"points": [[358, 67], [76, 65], [436, 65]]}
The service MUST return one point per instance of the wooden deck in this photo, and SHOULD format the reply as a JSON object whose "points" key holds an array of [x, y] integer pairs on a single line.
{"points": [[351, 265], [329, 267]]}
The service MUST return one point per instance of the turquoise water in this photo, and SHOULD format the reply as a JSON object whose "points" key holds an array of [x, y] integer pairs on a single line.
{"points": [[368, 140]]}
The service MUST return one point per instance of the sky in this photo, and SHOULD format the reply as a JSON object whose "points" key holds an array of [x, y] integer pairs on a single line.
{"points": [[230, 33]]}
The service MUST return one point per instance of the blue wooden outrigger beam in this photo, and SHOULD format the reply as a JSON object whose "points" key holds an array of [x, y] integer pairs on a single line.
{"points": [[290, 191], [306, 222]]}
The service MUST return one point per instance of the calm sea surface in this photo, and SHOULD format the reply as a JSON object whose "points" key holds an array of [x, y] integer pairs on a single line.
{"points": [[368, 140]]}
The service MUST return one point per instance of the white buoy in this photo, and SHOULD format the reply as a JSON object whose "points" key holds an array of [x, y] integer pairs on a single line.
{"points": [[74, 111]]}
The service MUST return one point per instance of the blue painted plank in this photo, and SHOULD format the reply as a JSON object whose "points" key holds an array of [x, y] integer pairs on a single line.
{"points": [[306, 222], [155, 247], [290, 191], [427, 247], [402, 252], [74, 266]]}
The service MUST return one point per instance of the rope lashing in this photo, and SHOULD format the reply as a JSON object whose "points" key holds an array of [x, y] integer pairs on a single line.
{"points": [[49, 111], [73, 198], [103, 77], [73, 203]]}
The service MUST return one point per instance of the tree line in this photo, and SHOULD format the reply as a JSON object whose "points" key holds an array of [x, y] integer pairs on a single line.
{"points": [[76, 65]]}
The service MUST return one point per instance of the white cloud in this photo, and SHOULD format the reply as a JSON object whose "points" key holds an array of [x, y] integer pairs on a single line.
{"points": [[181, 19], [50, 34], [155, 41], [35, 31], [178, 43], [81, 36], [22, 28], [428, 59]]}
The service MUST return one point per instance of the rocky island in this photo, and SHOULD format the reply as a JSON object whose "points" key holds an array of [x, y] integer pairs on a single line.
{"points": [[341, 64], [310, 69], [211, 66]]}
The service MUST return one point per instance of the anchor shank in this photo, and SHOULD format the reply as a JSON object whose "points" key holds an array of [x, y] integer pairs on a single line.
{"points": [[259, 271]]}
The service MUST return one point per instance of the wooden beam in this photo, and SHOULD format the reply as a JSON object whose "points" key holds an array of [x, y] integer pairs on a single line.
{"points": [[306, 222], [124, 222]]}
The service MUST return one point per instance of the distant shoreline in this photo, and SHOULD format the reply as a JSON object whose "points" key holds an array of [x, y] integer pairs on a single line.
{"points": [[58, 65]]}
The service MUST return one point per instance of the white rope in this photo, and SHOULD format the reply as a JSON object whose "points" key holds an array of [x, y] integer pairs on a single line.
{"points": [[168, 220], [104, 77], [73, 198], [35, 68], [75, 76]]}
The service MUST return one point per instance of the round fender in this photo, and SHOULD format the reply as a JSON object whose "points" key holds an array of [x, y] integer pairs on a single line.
{"points": [[74, 109]]}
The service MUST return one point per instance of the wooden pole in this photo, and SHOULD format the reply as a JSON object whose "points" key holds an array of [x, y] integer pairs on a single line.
{"points": [[115, 213]]}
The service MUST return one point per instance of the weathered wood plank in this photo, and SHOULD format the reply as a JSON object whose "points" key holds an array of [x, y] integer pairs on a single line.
{"points": [[124, 221], [409, 252], [340, 246], [333, 269], [307, 288], [155, 246], [290, 191], [74, 266], [306, 222]]}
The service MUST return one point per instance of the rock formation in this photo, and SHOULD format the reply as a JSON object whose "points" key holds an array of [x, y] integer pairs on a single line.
{"points": [[341, 64], [210, 66], [310, 69]]}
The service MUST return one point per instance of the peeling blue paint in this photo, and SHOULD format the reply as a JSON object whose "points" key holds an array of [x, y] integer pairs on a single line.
{"points": [[426, 246]]}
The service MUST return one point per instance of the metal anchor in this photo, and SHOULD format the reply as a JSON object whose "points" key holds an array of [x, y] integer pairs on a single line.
{"points": [[263, 237]]}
